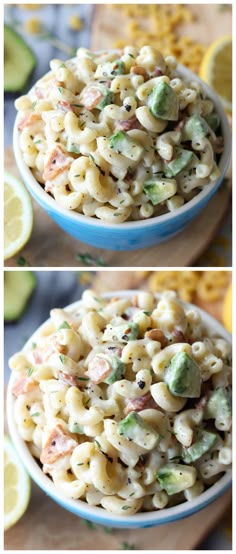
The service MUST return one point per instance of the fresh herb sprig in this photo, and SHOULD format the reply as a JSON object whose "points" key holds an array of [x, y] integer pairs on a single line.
{"points": [[89, 260]]}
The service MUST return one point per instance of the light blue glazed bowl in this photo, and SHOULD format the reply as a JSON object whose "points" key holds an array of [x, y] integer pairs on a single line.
{"points": [[100, 515], [134, 234]]}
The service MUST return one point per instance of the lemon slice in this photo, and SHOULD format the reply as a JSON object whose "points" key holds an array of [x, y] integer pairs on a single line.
{"points": [[17, 486], [216, 69], [18, 215], [227, 309]]}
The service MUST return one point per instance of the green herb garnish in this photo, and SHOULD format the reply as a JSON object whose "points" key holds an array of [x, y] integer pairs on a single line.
{"points": [[98, 443], [35, 415], [89, 524], [33, 345], [62, 358], [88, 260], [64, 325], [31, 370], [108, 530], [127, 546], [21, 261], [125, 507]]}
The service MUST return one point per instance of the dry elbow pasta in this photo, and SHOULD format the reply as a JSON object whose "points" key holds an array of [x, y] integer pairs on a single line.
{"points": [[126, 401], [120, 135]]}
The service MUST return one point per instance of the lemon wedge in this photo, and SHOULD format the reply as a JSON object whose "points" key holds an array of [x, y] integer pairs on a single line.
{"points": [[17, 486], [216, 69], [18, 215], [227, 309]]}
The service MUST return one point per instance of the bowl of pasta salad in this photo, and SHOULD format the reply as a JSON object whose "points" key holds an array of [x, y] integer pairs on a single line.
{"points": [[120, 408], [121, 148]]}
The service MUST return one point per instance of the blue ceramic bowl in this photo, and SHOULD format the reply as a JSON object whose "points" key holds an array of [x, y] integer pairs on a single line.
{"points": [[100, 515], [133, 234]]}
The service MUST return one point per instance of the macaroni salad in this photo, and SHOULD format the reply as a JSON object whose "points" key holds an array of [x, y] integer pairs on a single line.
{"points": [[126, 402], [120, 135]]}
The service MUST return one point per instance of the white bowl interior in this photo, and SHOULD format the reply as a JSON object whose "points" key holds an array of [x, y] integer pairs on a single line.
{"points": [[100, 515], [54, 206]]}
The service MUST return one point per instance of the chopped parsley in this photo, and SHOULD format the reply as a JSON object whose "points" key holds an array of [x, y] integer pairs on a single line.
{"points": [[31, 370], [108, 529], [89, 524], [33, 104], [33, 345], [98, 443], [87, 259], [35, 415], [77, 105], [147, 313], [127, 546], [21, 261], [125, 507], [131, 56], [62, 358], [61, 90]]}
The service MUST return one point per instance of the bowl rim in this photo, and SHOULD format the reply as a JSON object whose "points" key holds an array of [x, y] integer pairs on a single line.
{"points": [[100, 515], [78, 218]]}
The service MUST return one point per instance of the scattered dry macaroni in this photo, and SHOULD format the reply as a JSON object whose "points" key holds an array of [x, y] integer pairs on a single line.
{"points": [[160, 25], [119, 136], [208, 286], [126, 402]]}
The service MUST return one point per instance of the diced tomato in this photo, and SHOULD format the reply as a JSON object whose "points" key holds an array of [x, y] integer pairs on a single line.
{"points": [[22, 385], [65, 106], [28, 119], [91, 97], [39, 93], [98, 369], [67, 379], [58, 444], [138, 404], [128, 124], [57, 162]]}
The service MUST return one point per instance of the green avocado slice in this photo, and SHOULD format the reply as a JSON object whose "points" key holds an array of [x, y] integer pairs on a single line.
{"points": [[18, 288], [19, 61]]}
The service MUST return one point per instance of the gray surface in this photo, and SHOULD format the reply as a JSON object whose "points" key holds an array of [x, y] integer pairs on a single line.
{"points": [[57, 289]]}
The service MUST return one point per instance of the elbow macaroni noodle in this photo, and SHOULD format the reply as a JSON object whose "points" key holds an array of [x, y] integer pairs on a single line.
{"points": [[67, 121], [84, 374]]}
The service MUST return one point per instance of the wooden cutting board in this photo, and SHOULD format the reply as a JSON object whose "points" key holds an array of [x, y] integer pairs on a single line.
{"points": [[50, 246], [210, 22]]}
